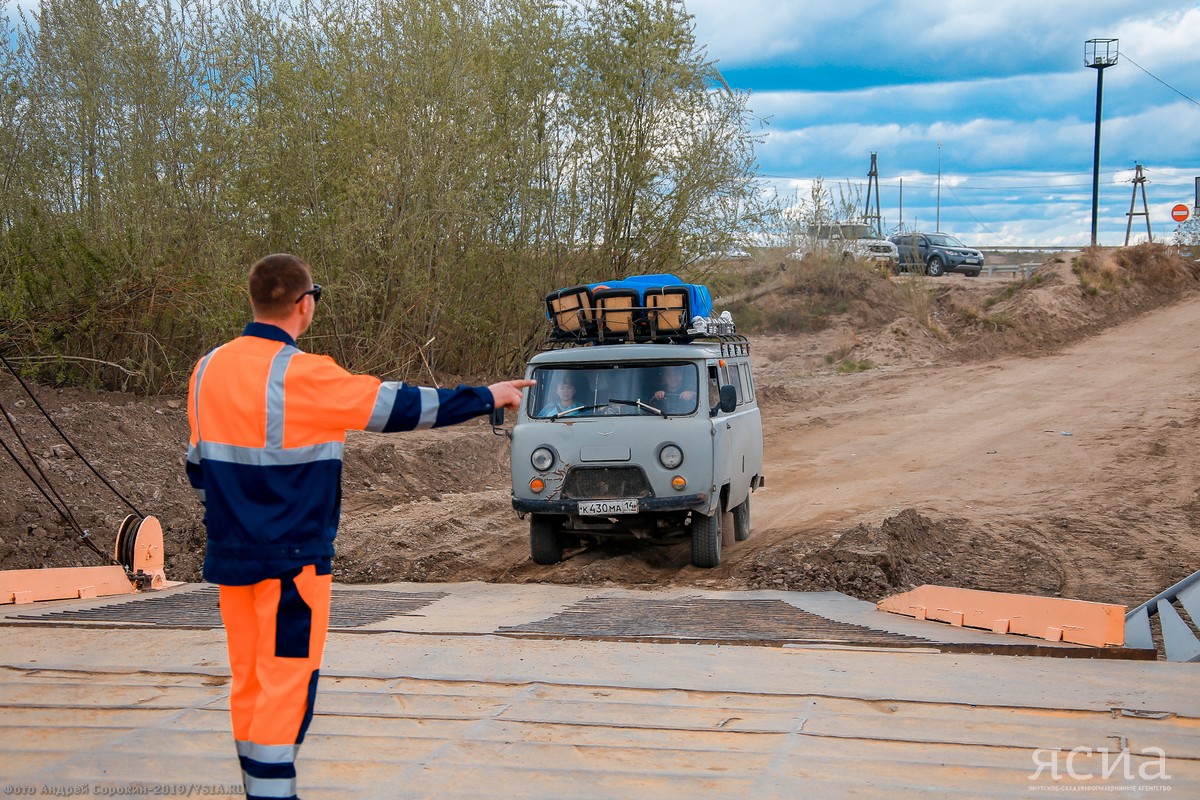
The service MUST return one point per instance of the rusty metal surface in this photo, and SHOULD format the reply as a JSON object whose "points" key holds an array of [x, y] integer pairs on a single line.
{"points": [[704, 619]]}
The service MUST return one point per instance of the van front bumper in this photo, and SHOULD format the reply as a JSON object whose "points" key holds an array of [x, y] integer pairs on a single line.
{"points": [[646, 505]]}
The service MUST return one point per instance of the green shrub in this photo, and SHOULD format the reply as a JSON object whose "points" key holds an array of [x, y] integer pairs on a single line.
{"points": [[850, 365]]}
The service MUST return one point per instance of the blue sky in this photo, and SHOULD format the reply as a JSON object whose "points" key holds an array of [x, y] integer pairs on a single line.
{"points": [[1001, 84]]}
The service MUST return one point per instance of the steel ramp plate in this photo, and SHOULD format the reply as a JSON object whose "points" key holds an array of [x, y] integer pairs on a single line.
{"points": [[199, 608], [1137, 630], [704, 619], [750, 618], [1189, 597], [1178, 640]]}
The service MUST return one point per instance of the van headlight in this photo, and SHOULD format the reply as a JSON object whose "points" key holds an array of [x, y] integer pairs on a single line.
{"points": [[670, 456], [542, 459]]}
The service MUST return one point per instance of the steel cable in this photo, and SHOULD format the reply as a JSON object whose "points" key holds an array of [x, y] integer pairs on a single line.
{"points": [[57, 503], [70, 444]]}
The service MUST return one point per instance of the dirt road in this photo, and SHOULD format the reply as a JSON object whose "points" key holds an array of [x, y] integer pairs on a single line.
{"points": [[1085, 457]]}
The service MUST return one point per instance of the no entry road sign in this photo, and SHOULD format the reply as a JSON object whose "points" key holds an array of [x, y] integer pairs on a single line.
{"points": [[1179, 213]]}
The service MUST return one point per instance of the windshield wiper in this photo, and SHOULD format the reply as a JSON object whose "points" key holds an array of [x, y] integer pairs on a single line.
{"points": [[575, 410], [639, 404]]}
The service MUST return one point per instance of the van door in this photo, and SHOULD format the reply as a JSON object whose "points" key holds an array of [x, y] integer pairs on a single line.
{"points": [[744, 431], [722, 437]]}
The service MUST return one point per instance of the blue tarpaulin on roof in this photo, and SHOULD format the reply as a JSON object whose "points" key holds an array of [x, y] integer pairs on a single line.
{"points": [[699, 299]]}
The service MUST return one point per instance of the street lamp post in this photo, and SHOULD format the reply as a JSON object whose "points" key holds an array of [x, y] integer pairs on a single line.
{"points": [[1098, 54]]}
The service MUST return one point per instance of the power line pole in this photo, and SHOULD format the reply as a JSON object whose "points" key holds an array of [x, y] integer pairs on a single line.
{"points": [[1138, 180], [1098, 54]]}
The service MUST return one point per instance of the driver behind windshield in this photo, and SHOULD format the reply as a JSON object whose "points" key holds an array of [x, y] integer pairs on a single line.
{"points": [[676, 396]]}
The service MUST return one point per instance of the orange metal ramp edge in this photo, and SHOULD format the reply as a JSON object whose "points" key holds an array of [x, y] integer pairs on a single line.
{"points": [[1051, 618]]}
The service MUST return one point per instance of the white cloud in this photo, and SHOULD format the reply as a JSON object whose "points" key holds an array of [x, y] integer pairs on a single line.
{"points": [[999, 36], [1164, 42]]}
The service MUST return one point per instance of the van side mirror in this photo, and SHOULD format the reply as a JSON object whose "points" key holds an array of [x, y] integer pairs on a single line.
{"points": [[497, 419], [728, 398]]}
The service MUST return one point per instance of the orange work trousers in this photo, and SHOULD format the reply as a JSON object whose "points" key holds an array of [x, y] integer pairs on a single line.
{"points": [[276, 635]]}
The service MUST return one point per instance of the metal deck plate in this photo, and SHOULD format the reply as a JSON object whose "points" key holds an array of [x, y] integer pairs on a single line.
{"points": [[704, 620], [351, 608]]}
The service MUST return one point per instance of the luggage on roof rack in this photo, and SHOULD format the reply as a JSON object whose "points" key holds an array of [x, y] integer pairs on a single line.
{"points": [[643, 308], [570, 312]]}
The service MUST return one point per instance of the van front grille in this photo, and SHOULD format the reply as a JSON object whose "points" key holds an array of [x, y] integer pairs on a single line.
{"points": [[605, 483]]}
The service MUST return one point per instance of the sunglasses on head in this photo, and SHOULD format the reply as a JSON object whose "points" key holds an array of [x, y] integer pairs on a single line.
{"points": [[315, 291]]}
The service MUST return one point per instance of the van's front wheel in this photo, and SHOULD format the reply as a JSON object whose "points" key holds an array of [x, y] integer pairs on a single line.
{"points": [[706, 539], [545, 539]]}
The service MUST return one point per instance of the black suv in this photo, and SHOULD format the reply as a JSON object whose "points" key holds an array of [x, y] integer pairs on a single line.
{"points": [[939, 252]]}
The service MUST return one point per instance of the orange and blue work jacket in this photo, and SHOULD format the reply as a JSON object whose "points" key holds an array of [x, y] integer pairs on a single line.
{"points": [[268, 426]]}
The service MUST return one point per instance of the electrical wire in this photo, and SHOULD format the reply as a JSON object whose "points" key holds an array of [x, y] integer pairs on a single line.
{"points": [[978, 221], [1160, 80]]}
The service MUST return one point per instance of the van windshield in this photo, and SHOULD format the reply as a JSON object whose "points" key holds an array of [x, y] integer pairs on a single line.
{"points": [[662, 389]]}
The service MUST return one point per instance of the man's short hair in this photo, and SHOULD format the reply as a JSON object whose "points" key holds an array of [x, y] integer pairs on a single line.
{"points": [[275, 283]]}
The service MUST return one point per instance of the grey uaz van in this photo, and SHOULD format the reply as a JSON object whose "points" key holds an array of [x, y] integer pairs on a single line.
{"points": [[642, 440]]}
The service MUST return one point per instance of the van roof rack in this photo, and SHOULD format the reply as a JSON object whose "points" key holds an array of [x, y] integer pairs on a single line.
{"points": [[732, 344]]}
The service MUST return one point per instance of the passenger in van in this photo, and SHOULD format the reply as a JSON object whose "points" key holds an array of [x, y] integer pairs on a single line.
{"points": [[564, 399], [678, 396]]}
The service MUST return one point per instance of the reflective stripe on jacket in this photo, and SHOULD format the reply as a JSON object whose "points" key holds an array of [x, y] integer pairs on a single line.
{"points": [[268, 426]]}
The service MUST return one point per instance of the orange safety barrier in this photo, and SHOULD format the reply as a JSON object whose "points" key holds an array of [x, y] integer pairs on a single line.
{"points": [[1051, 618]]}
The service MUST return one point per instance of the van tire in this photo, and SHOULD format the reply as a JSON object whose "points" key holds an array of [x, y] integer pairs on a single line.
{"points": [[706, 539], [741, 521], [545, 540]]}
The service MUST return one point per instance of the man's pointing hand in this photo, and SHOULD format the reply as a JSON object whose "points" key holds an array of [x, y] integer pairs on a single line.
{"points": [[507, 394]]}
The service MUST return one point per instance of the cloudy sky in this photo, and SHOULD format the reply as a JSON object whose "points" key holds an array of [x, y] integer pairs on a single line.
{"points": [[1000, 84]]}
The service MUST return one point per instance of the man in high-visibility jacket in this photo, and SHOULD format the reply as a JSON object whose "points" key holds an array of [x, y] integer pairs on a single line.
{"points": [[268, 425]]}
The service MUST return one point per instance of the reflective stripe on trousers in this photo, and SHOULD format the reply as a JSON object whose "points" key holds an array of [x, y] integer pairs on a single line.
{"points": [[276, 634]]}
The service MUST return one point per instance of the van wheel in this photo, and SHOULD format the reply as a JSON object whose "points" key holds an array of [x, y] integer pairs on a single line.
{"points": [[741, 521], [706, 539], [545, 541]]}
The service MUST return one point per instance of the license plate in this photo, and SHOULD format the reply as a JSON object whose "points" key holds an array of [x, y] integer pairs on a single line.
{"points": [[603, 508]]}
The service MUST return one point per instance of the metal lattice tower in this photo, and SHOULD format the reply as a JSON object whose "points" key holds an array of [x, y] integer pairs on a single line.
{"points": [[1139, 180], [874, 222]]}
